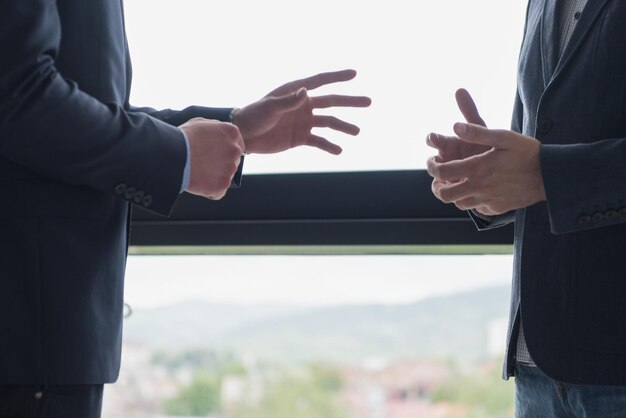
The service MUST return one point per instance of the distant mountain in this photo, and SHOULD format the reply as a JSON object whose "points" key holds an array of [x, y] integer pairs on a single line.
{"points": [[195, 323], [449, 326]]}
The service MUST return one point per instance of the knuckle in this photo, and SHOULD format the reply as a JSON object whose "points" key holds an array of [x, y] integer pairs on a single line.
{"points": [[484, 210], [493, 210], [219, 187], [231, 130], [449, 197], [225, 183], [434, 169], [461, 205], [217, 195], [234, 153], [493, 205], [500, 207], [445, 195]]}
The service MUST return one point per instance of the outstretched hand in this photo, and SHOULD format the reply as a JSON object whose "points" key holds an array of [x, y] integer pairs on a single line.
{"points": [[284, 118]]}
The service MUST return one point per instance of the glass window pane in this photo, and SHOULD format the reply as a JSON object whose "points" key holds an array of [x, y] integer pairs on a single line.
{"points": [[411, 57], [314, 336]]}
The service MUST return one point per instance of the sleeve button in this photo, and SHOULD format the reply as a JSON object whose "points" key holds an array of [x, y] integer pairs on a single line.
{"points": [[598, 217], [120, 188], [138, 197], [147, 200], [545, 125], [129, 193], [584, 219], [610, 214]]}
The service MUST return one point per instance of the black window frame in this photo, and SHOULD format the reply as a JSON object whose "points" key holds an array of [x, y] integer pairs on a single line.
{"points": [[369, 208]]}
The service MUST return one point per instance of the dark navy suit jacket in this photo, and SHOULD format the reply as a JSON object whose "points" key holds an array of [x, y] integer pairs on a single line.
{"points": [[73, 156], [569, 284]]}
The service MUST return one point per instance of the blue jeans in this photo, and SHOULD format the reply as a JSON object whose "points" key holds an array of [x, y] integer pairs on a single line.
{"points": [[59, 401], [538, 396]]}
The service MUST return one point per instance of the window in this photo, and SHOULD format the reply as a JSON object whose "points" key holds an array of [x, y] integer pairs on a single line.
{"points": [[410, 57], [326, 286], [314, 336]]}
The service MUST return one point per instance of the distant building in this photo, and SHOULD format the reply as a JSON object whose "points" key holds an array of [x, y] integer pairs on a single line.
{"points": [[496, 336]]}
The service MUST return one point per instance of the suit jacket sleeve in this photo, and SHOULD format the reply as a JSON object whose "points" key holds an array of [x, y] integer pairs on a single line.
{"points": [[584, 184], [49, 125], [178, 117]]}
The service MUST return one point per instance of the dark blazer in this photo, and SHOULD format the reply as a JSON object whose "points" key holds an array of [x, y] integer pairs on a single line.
{"points": [[569, 284], [73, 156]]}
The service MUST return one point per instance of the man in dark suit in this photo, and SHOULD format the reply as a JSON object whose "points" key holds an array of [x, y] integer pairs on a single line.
{"points": [[559, 174], [74, 155]]}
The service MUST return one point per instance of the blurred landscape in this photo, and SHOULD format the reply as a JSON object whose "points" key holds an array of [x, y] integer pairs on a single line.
{"points": [[438, 357]]}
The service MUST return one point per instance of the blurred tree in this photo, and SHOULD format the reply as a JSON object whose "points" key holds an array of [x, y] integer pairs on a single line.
{"points": [[198, 359], [308, 393], [483, 393], [200, 398]]}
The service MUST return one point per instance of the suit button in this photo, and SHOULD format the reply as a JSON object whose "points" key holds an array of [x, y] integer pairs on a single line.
{"points": [[610, 214], [597, 217], [129, 193], [545, 125], [138, 197], [147, 200], [120, 188], [622, 213], [584, 219]]}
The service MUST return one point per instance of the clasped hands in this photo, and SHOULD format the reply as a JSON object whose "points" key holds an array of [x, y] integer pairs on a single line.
{"points": [[489, 171], [281, 120]]}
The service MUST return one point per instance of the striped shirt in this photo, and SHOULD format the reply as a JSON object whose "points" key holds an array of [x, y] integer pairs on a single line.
{"points": [[570, 10], [570, 15]]}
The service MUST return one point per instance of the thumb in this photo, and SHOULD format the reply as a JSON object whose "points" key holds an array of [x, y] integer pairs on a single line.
{"points": [[477, 134], [468, 108], [288, 101]]}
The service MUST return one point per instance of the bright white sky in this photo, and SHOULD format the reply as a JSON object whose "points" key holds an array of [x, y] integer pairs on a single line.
{"points": [[308, 280], [411, 57]]}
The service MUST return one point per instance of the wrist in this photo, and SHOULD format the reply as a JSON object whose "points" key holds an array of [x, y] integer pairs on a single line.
{"points": [[232, 117]]}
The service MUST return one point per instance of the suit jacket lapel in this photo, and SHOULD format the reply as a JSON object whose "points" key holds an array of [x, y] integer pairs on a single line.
{"points": [[586, 22]]}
